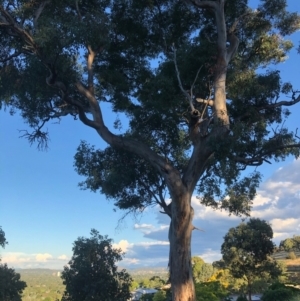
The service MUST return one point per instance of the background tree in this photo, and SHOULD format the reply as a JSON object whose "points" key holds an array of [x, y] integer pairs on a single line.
{"points": [[190, 125], [11, 287], [246, 252], [202, 271], [161, 295], [211, 291], [92, 273], [290, 244]]}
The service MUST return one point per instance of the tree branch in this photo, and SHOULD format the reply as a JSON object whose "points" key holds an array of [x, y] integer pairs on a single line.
{"points": [[286, 103], [209, 102], [90, 60], [17, 53], [38, 13], [187, 95], [203, 4], [233, 47], [78, 11], [261, 158]]}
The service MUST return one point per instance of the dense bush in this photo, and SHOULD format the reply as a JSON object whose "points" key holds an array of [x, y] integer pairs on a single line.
{"points": [[280, 292]]}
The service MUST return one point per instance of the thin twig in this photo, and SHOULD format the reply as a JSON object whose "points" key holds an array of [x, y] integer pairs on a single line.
{"points": [[192, 87], [180, 83]]}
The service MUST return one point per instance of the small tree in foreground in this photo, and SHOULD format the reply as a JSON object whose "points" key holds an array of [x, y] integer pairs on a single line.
{"points": [[92, 273], [246, 252], [11, 287]]}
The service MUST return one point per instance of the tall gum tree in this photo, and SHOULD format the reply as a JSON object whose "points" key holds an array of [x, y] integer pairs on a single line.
{"points": [[195, 121]]}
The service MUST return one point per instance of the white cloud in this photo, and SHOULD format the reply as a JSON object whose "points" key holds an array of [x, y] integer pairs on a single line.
{"points": [[122, 244], [15, 257], [63, 257], [43, 257], [28, 261], [143, 226]]}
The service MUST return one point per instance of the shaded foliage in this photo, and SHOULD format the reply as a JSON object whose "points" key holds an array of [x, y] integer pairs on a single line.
{"points": [[92, 273], [11, 287], [280, 292]]}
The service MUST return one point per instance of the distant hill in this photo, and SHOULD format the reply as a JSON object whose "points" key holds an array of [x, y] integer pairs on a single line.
{"points": [[46, 284], [148, 271], [42, 284]]}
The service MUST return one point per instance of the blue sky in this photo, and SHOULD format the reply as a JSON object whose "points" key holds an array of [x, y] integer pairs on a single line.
{"points": [[42, 210]]}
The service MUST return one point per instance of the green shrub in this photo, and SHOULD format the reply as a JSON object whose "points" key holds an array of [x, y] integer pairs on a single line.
{"points": [[280, 292]]}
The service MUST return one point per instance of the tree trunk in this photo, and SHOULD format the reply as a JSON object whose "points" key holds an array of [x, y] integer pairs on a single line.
{"points": [[249, 290], [180, 233]]}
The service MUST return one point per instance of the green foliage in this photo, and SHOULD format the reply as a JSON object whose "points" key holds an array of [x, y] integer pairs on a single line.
{"points": [[210, 291], [134, 285], [11, 287], [129, 37], [3, 241], [42, 284], [246, 252], [280, 292], [160, 296], [92, 272], [147, 297], [290, 244], [201, 271]]}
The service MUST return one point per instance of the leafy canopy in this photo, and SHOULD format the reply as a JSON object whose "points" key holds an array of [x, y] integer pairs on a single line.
{"points": [[135, 48], [247, 248], [92, 273]]}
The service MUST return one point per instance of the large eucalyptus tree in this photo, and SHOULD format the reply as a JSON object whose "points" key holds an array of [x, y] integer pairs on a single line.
{"points": [[184, 73]]}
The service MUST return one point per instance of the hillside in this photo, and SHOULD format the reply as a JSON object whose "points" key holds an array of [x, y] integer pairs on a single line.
{"points": [[292, 265], [42, 284], [46, 284]]}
